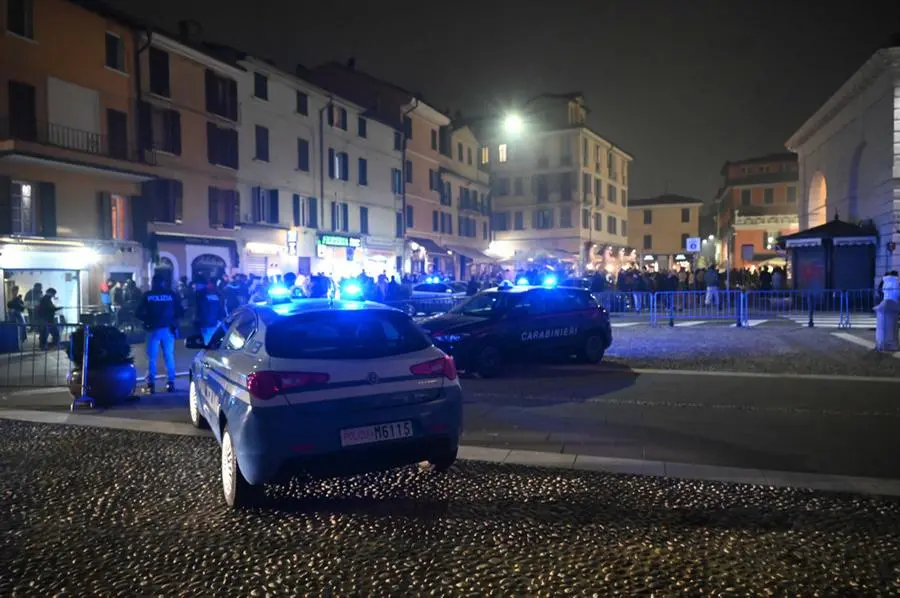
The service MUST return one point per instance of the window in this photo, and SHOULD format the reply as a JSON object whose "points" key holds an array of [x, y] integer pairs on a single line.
{"points": [[485, 155], [362, 127], [409, 172], [264, 205], [745, 197], [611, 225], [484, 230], [410, 220], [241, 332], [519, 220], [165, 129], [363, 220], [342, 166], [223, 208], [623, 196], [585, 219], [398, 225], [685, 214], [342, 119], [469, 156], [747, 252], [791, 194], [396, 181], [565, 217], [312, 212], [262, 144], [407, 127], [611, 194], [586, 184], [501, 221], [434, 139], [624, 228], [260, 86], [543, 219], [584, 152], [432, 180], [648, 241], [598, 221], [502, 187], [340, 216], [119, 217], [435, 218], [221, 96], [302, 103], [222, 146], [684, 240], [501, 153], [517, 186], [297, 209], [363, 178], [769, 196], [648, 216], [117, 133], [115, 52], [159, 72], [459, 152], [24, 210], [398, 141], [303, 154], [20, 17], [166, 198]]}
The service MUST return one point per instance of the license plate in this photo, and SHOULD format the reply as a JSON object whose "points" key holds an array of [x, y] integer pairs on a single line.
{"points": [[378, 433]]}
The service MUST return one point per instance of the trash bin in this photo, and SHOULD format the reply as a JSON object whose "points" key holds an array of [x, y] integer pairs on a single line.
{"points": [[886, 325]]}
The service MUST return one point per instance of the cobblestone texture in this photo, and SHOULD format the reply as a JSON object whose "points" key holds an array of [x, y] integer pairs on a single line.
{"points": [[100, 512]]}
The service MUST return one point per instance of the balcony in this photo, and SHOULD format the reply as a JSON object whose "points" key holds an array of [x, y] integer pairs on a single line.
{"points": [[85, 142]]}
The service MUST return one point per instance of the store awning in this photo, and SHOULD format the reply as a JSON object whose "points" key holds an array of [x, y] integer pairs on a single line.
{"points": [[428, 245], [471, 253]]}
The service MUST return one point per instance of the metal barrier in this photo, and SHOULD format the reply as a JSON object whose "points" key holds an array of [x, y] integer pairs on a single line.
{"points": [[802, 307], [34, 355], [859, 307], [626, 303], [712, 304]]}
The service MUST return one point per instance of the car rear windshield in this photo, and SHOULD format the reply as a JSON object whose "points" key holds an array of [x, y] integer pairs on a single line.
{"points": [[364, 334]]}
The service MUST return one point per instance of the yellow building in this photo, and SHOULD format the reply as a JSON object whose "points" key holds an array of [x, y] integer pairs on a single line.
{"points": [[70, 167], [560, 190], [659, 230]]}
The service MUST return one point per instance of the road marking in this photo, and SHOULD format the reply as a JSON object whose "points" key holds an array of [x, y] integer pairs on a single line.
{"points": [[751, 323], [32, 392], [862, 342], [624, 324], [733, 374], [691, 323], [689, 471]]}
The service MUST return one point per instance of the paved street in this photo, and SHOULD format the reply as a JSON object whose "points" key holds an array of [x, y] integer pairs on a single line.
{"points": [[102, 512]]}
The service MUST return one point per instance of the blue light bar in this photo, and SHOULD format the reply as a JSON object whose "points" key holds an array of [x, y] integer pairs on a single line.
{"points": [[549, 281], [522, 282], [279, 292], [351, 290]]}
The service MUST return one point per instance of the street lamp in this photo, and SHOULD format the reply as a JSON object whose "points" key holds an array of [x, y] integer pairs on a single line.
{"points": [[513, 124]]}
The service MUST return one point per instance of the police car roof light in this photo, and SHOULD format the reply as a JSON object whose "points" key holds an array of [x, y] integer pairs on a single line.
{"points": [[522, 282], [549, 281], [267, 385], [279, 292], [351, 290]]}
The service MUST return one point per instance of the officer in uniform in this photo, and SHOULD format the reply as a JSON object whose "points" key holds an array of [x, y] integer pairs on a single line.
{"points": [[160, 311], [210, 308]]}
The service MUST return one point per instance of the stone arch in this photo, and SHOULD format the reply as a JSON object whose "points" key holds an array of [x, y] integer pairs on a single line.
{"points": [[817, 202], [853, 186]]}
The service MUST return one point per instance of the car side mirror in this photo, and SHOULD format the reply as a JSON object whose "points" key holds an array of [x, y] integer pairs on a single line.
{"points": [[195, 342]]}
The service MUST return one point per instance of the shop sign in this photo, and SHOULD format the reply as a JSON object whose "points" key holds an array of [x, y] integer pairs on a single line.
{"points": [[339, 241], [681, 258]]}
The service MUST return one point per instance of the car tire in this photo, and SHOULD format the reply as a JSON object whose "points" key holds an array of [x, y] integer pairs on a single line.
{"points": [[442, 462], [197, 419], [489, 363], [593, 349], [238, 492]]}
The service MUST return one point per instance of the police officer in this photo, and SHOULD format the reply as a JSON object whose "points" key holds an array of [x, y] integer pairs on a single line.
{"points": [[160, 311], [210, 308]]}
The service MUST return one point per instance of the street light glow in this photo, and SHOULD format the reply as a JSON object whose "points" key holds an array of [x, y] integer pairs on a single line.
{"points": [[513, 124]]}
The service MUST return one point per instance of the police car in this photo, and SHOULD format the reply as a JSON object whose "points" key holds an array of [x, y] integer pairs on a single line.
{"points": [[514, 323], [322, 388]]}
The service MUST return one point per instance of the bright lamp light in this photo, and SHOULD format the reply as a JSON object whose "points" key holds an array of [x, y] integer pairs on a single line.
{"points": [[513, 124]]}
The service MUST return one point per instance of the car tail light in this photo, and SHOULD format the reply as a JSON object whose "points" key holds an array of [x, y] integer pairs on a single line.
{"points": [[267, 385], [437, 367]]}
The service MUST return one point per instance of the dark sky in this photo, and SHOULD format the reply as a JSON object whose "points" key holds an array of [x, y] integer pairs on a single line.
{"points": [[684, 85]]}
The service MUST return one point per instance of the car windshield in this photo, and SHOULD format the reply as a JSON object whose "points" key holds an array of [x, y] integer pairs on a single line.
{"points": [[363, 334], [484, 305]]}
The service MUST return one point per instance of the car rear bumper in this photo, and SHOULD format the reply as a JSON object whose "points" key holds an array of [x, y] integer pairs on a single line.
{"points": [[273, 444]]}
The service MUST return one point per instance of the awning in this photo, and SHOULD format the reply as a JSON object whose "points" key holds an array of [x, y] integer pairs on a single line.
{"points": [[855, 241], [471, 253], [428, 245]]}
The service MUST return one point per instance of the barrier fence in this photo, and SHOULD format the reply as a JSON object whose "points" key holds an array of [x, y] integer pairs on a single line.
{"points": [[34, 355]]}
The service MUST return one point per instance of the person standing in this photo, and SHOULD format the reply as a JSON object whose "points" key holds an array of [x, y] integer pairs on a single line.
{"points": [[210, 308], [45, 313], [711, 278], [16, 310], [160, 310]]}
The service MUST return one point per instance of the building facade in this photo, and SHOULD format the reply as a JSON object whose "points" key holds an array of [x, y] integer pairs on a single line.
{"points": [[70, 167], [560, 190], [757, 203], [660, 228], [849, 155]]}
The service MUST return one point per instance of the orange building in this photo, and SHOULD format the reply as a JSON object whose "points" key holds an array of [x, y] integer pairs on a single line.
{"points": [[756, 205], [70, 168]]}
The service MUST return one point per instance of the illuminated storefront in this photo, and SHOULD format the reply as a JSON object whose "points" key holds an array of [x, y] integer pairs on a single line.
{"points": [[338, 256], [182, 256]]}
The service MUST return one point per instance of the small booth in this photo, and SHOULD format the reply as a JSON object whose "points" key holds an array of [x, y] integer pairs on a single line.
{"points": [[836, 255]]}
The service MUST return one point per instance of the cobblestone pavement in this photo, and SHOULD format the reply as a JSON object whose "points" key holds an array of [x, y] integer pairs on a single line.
{"points": [[99, 512]]}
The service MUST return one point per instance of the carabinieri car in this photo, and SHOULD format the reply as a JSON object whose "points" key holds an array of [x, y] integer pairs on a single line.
{"points": [[322, 388], [515, 323]]}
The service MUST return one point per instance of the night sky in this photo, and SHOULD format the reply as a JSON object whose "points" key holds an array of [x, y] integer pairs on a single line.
{"points": [[684, 85]]}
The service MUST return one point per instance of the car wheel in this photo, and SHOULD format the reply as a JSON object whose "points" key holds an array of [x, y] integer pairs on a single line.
{"points": [[593, 349], [442, 462], [489, 362], [239, 493], [197, 418]]}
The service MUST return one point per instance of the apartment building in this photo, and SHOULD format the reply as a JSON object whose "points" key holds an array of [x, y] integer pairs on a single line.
{"points": [[71, 169], [756, 204], [660, 228], [465, 199], [560, 189], [189, 115]]}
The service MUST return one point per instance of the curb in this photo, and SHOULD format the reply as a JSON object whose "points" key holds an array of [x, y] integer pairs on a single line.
{"points": [[685, 471]]}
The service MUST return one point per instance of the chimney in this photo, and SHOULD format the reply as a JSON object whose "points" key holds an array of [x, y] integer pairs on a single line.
{"points": [[351, 63]]}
